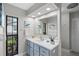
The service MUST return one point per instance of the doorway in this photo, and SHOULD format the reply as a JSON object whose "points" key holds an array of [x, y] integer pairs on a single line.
{"points": [[74, 32]]}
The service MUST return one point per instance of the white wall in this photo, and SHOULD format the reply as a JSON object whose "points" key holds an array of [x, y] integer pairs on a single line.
{"points": [[14, 11], [65, 30]]}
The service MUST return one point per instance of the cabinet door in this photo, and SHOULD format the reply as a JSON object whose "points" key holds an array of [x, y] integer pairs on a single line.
{"points": [[44, 51], [31, 44], [28, 50], [36, 47], [36, 53], [36, 50], [31, 51]]}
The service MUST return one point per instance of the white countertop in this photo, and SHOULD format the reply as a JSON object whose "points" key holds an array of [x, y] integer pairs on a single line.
{"points": [[43, 43]]}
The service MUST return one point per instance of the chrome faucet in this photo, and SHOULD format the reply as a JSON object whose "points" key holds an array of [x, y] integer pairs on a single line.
{"points": [[52, 38]]}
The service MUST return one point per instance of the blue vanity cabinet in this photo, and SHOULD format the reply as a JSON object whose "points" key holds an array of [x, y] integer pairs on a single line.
{"points": [[34, 49]]}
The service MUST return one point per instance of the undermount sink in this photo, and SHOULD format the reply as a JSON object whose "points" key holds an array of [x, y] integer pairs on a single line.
{"points": [[47, 41]]}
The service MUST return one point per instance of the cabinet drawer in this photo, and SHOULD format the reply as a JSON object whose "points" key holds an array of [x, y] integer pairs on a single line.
{"points": [[36, 53], [31, 44], [36, 47], [31, 51], [44, 51]]}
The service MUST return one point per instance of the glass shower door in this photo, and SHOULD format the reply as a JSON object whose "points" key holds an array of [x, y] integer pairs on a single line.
{"points": [[11, 35]]}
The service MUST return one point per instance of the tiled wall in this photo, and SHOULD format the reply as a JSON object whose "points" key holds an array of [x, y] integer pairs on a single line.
{"points": [[1, 30]]}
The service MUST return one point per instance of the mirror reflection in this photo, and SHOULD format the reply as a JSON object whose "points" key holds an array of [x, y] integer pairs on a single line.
{"points": [[49, 25]]}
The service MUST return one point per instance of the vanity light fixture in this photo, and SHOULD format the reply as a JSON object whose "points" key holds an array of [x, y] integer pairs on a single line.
{"points": [[48, 9]]}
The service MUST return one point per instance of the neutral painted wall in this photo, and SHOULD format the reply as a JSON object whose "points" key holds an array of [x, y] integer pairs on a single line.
{"points": [[14, 11], [65, 30]]}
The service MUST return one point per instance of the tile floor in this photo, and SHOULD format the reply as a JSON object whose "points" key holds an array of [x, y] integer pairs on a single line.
{"points": [[65, 52]]}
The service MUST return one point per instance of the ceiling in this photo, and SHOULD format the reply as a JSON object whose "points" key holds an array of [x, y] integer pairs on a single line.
{"points": [[49, 7], [24, 6], [36, 9], [36, 6], [64, 8]]}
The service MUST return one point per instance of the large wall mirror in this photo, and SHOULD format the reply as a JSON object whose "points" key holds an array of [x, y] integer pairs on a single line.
{"points": [[49, 24]]}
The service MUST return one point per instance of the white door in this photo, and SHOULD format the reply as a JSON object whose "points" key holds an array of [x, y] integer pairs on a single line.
{"points": [[75, 32]]}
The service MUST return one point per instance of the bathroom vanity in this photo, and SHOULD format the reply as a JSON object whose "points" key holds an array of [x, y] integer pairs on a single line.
{"points": [[36, 47], [45, 25]]}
